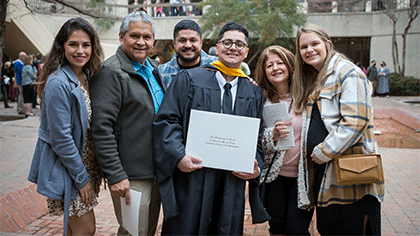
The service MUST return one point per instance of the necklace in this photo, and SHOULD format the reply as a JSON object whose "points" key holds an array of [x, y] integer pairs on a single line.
{"points": [[83, 80], [283, 96]]}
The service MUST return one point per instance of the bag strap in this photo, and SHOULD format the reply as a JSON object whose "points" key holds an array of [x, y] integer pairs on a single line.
{"points": [[291, 105], [269, 167], [275, 153]]}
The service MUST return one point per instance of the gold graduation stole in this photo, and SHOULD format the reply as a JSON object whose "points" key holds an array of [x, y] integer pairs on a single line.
{"points": [[227, 70]]}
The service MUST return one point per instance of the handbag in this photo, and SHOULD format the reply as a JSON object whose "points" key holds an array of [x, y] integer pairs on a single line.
{"points": [[358, 169], [263, 186]]}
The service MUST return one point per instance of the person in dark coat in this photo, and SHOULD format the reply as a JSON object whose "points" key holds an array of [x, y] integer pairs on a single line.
{"points": [[125, 98], [198, 200], [371, 74], [5, 79]]}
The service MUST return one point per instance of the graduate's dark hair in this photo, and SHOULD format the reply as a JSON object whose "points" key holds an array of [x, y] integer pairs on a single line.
{"points": [[187, 25], [233, 26]]}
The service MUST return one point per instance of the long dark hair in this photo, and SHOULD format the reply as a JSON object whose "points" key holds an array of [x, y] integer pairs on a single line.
{"points": [[56, 57]]}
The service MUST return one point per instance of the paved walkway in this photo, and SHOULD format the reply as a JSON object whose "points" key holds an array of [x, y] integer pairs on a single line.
{"points": [[23, 211]]}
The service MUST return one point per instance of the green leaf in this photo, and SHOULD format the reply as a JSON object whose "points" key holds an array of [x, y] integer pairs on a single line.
{"points": [[268, 21]]}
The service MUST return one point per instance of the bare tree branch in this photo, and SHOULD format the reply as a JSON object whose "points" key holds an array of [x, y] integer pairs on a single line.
{"points": [[84, 12], [393, 11], [78, 9], [27, 7]]}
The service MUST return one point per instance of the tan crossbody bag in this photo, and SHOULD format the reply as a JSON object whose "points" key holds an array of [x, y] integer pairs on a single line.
{"points": [[358, 169]]}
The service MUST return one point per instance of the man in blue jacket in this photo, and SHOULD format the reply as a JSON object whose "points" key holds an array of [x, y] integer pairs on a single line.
{"points": [[18, 65]]}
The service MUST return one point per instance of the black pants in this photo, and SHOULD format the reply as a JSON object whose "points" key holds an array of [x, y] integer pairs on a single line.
{"points": [[286, 217], [4, 94], [34, 100], [28, 93], [337, 219]]}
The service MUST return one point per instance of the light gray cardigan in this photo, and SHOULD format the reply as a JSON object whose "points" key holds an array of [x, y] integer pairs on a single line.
{"points": [[57, 167]]}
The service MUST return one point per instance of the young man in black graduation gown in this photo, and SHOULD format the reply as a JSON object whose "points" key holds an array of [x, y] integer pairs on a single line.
{"points": [[198, 200]]}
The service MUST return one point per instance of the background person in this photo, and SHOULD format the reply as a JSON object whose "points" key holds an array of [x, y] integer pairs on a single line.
{"points": [[64, 164], [382, 89], [360, 65], [333, 96], [212, 51], [245, 68], [28, 78], [372, 74], [158, 11], [18, 66], [6, 78], [289, 210], [188, 8], [13, 88], [174, 10], [36, 64], [126, 95]]}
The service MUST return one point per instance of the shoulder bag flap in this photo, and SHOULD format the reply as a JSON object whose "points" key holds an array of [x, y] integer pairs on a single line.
{"points": [[357, 163]]}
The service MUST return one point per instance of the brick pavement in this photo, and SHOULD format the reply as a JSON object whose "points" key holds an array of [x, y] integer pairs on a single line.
{"points": [[23, 211]]}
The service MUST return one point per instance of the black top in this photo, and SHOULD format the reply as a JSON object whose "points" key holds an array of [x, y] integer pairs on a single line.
{"points": [[188, 67], [316, 134], [317, 131]]}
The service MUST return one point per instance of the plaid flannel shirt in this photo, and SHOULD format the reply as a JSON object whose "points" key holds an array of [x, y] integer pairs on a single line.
{"points": [[345, 105]]}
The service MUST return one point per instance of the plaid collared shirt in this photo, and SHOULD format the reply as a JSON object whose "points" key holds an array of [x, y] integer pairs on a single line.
{"points": [[171, 68], [345, 105]]}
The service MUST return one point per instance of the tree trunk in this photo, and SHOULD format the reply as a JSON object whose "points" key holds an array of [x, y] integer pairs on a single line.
{"points": [[3, 11], [413, 14], [395, 53], [394, 44], [404, 37]]}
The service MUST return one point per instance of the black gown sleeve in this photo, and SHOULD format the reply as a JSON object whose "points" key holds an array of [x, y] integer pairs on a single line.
{"points": [[258, 213], [169, 140]]}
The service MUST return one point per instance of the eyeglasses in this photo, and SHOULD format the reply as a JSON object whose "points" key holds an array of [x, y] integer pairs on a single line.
{"points": [[227, 43]]}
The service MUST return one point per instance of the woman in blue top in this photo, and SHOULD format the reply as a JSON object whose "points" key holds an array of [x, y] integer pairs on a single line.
{"points": [[64, 165], [28, 77]]}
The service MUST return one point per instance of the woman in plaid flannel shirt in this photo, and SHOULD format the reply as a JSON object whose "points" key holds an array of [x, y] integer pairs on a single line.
{"points": [[333, 96]]}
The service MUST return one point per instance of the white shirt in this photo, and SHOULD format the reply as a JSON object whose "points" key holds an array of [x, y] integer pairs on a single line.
{"points": [[222, 81]]}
